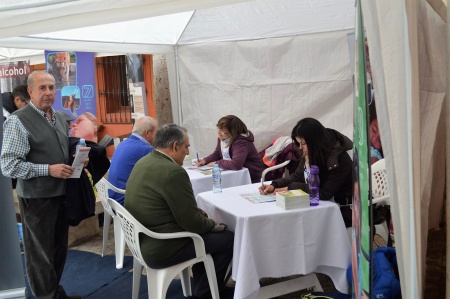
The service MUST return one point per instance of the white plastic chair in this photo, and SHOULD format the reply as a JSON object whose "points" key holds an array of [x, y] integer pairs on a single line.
{"points": [[265, 171], [158, 280], [119, 242], [116, 141], [380, 193]]}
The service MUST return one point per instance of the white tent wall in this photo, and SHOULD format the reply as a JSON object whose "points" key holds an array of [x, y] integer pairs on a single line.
{"points": [[408, 54], [269, 83]]}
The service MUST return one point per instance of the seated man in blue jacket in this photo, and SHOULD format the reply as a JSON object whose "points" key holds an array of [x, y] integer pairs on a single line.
{"points": [[129, 151]]}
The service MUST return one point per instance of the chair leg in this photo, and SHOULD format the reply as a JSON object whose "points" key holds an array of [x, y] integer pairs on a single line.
{"points": [[106, 223], [186, 282], [212, 279], [317, 286], [137, 272], [119, 244], [229, 272]]}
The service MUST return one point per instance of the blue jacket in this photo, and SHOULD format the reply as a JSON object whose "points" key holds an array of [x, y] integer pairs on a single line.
{"points": [[127, 153], [386, 283]]}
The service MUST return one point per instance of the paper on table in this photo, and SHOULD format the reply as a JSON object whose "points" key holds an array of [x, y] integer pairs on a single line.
{"points": [[77, 165], [258, 198]]}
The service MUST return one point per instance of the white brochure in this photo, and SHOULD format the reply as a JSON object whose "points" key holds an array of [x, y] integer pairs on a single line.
{"points": [[77, 165]]}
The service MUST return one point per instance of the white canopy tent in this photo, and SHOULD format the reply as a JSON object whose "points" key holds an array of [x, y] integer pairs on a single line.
{"points": [[272, 62]]}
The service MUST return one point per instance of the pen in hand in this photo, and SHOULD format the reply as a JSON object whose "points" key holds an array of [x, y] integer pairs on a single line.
{"points": [[262, 188], [198, 159]]}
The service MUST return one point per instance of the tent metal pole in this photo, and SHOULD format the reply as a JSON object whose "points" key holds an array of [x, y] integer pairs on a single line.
{"points": [[177, 74], [447, 160]]}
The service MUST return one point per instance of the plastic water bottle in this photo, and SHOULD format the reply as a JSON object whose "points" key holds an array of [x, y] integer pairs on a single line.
{"points": [[217, 179], [314, 185], [81, 143]]}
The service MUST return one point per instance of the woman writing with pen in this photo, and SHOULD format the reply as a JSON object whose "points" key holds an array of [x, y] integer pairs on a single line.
{"points": [[327, 149], [235, 148]]}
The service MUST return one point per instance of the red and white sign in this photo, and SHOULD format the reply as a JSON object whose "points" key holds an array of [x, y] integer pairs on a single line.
{"points": [[15, 69]]}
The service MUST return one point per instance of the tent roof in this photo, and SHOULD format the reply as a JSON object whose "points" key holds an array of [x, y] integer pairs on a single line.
{"points": [[138, 27]]}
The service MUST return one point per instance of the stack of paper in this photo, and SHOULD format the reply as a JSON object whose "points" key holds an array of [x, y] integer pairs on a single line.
{"points": [[292, 199]]}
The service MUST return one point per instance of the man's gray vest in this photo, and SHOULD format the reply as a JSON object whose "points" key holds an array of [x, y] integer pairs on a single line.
{"points": [[48, 145]]}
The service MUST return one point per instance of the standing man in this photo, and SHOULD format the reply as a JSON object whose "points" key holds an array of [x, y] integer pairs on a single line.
{"points": [[35, 151], [159, 195], [129, 151], [14, 100]]}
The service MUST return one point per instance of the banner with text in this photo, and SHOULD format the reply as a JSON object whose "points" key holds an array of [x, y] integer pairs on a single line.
{"points": [[13, 74]]}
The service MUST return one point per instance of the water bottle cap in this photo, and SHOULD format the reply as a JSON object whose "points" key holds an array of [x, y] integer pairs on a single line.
{"points": [[314, 169], [216, 165], [82, 140]]}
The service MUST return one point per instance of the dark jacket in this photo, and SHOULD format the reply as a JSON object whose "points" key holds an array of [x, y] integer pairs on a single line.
{"points": [[8, 102], [80, 196], [243, 153], [335, 181]]}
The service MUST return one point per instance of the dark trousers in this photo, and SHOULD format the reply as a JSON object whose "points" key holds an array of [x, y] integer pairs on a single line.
{"points": [[45, 236], [219, 245]]}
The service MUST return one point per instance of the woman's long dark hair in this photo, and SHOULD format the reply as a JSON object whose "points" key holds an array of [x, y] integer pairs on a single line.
{"points": [[317, 139]]}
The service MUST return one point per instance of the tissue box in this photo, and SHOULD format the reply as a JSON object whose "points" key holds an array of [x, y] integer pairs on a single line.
{"points": [[292, 199]]}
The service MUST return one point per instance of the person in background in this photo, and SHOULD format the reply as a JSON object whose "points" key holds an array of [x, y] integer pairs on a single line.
{"points": [[376, 150], [160, 196], [15, 100], [80, 196], [235, 148], [85, 126], [327, 149], [129, 151], [36, 150]]}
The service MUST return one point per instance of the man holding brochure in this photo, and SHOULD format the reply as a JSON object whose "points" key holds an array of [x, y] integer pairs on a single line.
{"points": [[35, 151]]}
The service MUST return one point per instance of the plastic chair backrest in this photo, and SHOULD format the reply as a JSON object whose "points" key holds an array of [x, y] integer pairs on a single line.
{"points": [[131, 229], [380, 190], [102, 188], [116, 141], [290, 154]]}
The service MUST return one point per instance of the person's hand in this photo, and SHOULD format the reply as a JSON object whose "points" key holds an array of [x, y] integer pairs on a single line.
{"points": [[267, 189], [211, 164], [219, 227], [200, 163], [284, 189], [203, 213], [85, 161], [61, 171]]}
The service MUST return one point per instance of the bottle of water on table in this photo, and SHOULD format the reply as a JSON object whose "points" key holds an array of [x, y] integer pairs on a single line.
{"points": [[217, 179], [81, 143], [314, 185]]}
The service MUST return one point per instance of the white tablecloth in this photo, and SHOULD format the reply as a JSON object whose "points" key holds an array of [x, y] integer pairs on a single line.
{"points": [[272, 242], [230, 178]]}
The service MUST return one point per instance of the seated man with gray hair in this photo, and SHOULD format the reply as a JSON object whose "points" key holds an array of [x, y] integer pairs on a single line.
{"points": [[159, 195], [128, 152]]}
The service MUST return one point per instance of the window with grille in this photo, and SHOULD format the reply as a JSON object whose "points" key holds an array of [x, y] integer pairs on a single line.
{"points": [[113, 91]]}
